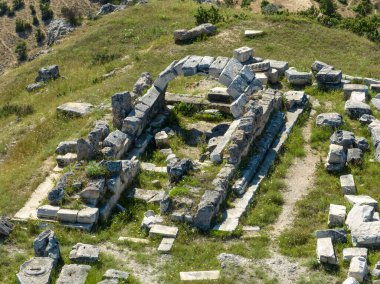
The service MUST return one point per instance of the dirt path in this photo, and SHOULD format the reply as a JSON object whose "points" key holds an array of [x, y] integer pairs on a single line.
{"points": [[299, 179]]}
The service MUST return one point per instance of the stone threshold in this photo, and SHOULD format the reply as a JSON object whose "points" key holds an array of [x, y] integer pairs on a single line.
{"points": [[29, 211], [240, 204]]}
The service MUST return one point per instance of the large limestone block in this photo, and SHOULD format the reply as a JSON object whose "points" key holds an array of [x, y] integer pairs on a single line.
{"points": [[337, 215], [325, 251], [73, 273], [329, 119], [229, 72], [347, 184], [358, 268]]}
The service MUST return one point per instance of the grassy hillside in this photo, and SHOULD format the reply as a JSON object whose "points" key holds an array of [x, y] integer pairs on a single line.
{"points": [[9, 38], [136, 40]]}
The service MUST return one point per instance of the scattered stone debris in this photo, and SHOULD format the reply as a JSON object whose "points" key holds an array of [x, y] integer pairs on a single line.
{"points": [[181, 36], [325, 251], [75, 109], [347, 184], [36, 270], [199, 275], [253, 33], [84, 253], [337, 215], [57, 29], [5, 226], [109, 8], [329, 119], [358, 268], [143, 83], [349, 253], [73, 273], [116, 274], [47, 245], [166, 245], [297, 78], [163, 231]]}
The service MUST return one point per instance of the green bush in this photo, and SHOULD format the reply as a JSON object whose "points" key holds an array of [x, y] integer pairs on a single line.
{"points": [[96, 170], [269, 9], [4, 8], [39, 35], [11, 13], [46, 12], [185, 109], [327, 7], [22, 26], [18, 4], [103, 57], [246, 3], [72, 15], [32, 9], [35, 21], [19, 110], [212, 15], [21, 51], [364, 8], [229, 3]]}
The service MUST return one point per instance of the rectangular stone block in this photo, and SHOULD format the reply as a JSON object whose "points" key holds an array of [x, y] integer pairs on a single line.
{"points": [[349, 253], [190, 67], [163, 231], [229, 72], [325, 251], [237, 87], [165, 77], [220, 95], [359, 96], [199, 275], [375, 88], [88, 215], [349, 88], [328, 76], [243, 54], [361, 200], [132, 125], [166, 245], [217, 66], [205, 64], [281, 66], [347, 184], [262, 78], [178, 66], [337, 215], [47, 212], [67, 215]]}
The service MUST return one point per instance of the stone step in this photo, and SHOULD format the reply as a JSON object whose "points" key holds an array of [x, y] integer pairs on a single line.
{"points": [[134, 240], [197, 101], [153, 168], [163, 231], [272, 129], [242, 202], [199, 275], [166, 245]]}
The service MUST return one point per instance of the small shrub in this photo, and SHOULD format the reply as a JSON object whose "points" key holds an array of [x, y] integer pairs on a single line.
{"points": [[246, 3], [18, 4], [179, 191], [269, 9], [11, 13], [95, 170], [19, 110], [46, 12], [102, 57], [212, 15], [39, 35], [72, 15], [4, 8], [21, 51], [328, 7], [35, 21], [344, 2], [185, 109], [229, 3], [32, 10], [22, 26], [364, 8]]}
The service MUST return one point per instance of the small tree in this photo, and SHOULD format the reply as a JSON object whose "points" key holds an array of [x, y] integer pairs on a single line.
{"points": [[72, 15], [46, 12], [40, 36], [22, 26], [364, 8], [32, 10], [21, 51], [3, 8], [35, 21], [18, 4], [211, 15]]}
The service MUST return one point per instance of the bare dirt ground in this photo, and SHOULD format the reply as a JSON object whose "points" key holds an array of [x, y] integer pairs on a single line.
{"points": [[299, 179]]}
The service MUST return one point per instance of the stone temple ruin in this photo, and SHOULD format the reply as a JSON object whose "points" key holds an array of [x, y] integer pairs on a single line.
{"points": [[258, 119]]}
